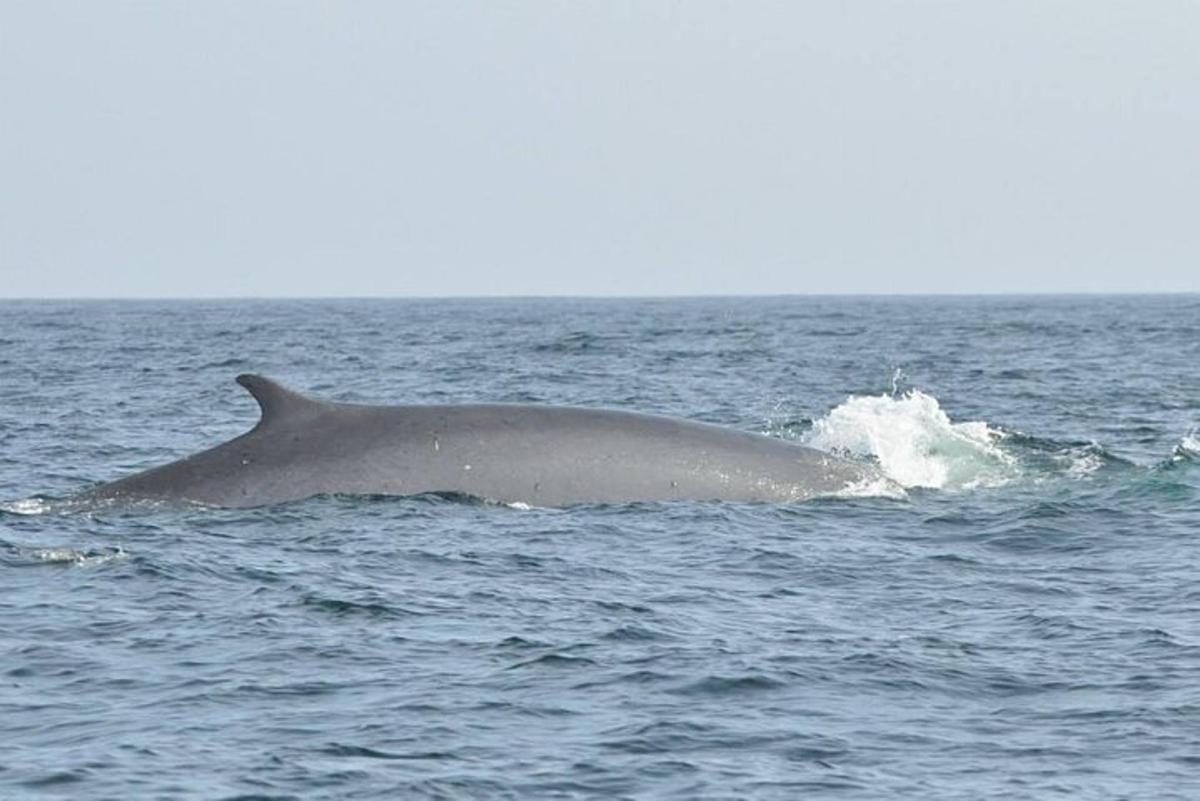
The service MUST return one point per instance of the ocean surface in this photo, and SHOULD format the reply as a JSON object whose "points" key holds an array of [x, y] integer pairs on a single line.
{"points": [[1023, 623]]}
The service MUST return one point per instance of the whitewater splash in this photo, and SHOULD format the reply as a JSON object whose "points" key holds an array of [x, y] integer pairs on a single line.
{"points": [[915, 442], [1188, 447]]}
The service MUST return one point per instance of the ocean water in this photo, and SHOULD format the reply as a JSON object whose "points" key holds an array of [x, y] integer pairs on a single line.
{"points": [[1023, 623]]}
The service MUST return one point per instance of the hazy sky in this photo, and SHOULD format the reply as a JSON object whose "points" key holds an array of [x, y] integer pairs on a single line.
{"points": [[688, 147]]}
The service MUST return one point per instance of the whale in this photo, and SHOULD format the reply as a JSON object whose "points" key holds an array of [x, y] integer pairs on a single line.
{"points": [[538, 455]]}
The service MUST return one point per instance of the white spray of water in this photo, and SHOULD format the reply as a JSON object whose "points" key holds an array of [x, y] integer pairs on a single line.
{"points": [[1189, 446], [915, 442]]}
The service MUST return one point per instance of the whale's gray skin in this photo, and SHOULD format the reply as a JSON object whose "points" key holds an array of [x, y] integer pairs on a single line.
{"points": [[538, 455]]}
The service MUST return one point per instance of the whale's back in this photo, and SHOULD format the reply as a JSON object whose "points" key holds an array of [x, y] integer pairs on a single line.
{"points": [[539, 455]]}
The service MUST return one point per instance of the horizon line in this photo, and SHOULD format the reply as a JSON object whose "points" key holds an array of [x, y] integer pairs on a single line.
{"points": [[565, 296]]}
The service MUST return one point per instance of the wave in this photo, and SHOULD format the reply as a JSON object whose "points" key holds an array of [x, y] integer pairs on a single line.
{"points": [[29, 556]]}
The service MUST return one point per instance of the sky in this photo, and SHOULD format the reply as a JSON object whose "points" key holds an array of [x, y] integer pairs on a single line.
{"points": [[217, 149]]}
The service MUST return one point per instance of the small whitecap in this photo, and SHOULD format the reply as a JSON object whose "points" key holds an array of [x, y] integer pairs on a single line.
{"points": [[55, 555], [26, 506], [1085, 461], [73, 556], [1188, 447]]}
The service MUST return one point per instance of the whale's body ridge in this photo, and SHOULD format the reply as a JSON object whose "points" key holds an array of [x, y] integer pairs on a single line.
{"points": [[516, 453]]}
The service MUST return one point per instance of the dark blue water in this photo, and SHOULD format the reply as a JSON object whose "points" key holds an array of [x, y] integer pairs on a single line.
{"points": [[1025, 623]]}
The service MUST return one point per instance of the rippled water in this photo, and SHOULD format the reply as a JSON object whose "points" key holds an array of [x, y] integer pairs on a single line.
{"points": [[1025, 623]]}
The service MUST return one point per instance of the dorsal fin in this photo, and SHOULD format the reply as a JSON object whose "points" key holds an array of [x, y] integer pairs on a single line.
{"points": [[276, 401]]}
